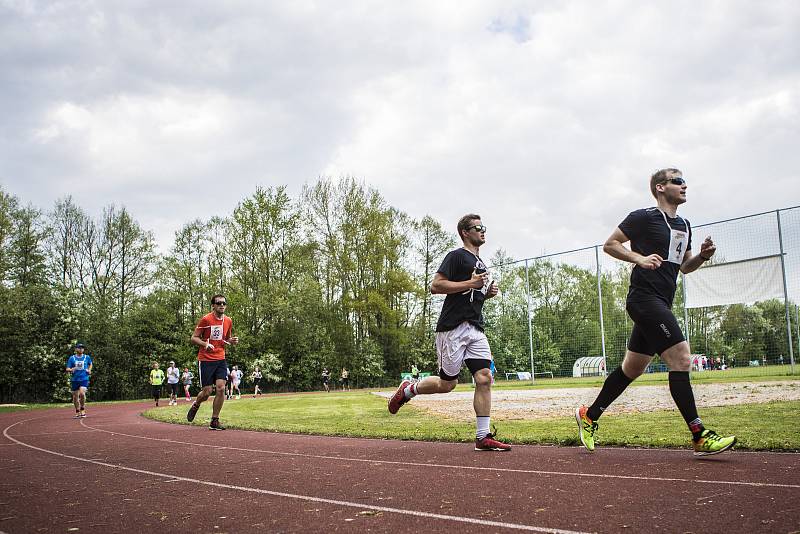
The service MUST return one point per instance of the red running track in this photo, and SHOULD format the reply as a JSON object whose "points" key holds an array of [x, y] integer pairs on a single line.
{"points": [[118, 472]]}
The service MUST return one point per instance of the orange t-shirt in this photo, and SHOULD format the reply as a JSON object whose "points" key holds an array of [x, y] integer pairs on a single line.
{"points": [[215, 331]]}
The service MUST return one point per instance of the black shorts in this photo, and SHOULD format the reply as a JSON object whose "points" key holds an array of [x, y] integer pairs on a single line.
{"points": [[174, 388], [473, 364], [655, 327], [156, 392], [212, 371]]}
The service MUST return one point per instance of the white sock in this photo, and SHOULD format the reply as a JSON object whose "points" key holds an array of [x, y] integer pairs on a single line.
{"points": [[410, 391], [483, 427]]}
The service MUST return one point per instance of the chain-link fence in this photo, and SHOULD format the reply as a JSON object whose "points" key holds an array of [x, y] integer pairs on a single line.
{"points": [[564, 314]]}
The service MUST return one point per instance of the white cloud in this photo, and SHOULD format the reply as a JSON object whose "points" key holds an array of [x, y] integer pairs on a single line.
{"points": [[545, 117]]}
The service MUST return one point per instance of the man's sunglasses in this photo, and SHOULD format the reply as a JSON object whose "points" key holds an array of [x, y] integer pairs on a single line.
{"points": [[478, 227], [676, 181], [220, 303]]}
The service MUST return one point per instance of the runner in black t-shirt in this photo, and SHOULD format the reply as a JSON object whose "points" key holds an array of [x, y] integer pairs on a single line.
{"points": [[660, 247], [459, 333]]}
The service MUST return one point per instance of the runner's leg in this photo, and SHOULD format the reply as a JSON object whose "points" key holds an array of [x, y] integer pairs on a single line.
{"points": [[219, 399], [678, 359]]}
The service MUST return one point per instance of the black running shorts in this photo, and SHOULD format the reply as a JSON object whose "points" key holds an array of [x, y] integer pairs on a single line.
{"points": [[212, 371], [655, 328]]}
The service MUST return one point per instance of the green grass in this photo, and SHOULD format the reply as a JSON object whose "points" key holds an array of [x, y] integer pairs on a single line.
{"points": [[757, 426]]}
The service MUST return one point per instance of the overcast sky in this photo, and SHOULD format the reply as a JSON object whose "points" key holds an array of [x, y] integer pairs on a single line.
{"points": [[547, 118]]}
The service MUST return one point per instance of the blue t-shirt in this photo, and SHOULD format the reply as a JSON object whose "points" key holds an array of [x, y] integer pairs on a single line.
{"points": [[81, 365]]}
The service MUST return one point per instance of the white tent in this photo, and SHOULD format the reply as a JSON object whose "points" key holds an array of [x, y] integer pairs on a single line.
{"points": [[589, 366]]}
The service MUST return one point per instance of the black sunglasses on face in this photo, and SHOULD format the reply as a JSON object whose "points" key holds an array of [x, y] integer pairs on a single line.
{"points": [[220, 303], [676, 181], [478, 227]]}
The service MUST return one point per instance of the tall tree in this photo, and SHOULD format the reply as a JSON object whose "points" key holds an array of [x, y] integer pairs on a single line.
{"points": [[28, 265], [8, 206]]}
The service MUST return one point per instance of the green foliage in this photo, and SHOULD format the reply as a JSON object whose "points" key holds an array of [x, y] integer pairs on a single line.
{"points": [[334, 277]]}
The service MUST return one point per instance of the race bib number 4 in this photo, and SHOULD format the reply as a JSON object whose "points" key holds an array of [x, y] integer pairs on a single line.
{"points": [[678, 241]]}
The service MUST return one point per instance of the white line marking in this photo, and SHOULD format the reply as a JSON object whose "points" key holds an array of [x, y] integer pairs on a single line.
{"points": [[362, 506], [447, 466], [57, 432]]}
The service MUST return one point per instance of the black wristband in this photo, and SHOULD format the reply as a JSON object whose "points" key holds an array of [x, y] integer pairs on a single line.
{"points": [[704, 258]]}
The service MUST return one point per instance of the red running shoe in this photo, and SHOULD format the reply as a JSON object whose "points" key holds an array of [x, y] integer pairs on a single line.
{"points": [[192, 412], [399, 397], [488, 443]]}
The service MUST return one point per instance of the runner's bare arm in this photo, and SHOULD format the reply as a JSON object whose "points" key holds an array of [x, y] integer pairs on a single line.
{"points": [[692, 262], [197, 340], [614, 247], [493, 290], [443, 286], [232, 340]]}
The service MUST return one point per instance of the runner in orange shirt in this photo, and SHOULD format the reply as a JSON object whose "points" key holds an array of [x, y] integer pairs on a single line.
{"points": [[212, 334]]}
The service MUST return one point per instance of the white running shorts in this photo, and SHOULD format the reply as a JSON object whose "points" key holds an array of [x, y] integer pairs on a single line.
{"points": [[462, 343]]}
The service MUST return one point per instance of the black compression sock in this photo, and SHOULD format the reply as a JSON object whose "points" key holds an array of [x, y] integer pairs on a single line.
{"points": [[613, 387], [681, 389]]}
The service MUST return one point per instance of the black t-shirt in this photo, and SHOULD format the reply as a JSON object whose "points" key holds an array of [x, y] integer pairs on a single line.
{"points": [[649, 234], [458, 266]]}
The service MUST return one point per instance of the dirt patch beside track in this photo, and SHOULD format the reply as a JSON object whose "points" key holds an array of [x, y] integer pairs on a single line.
{"points": [[544, 403]]}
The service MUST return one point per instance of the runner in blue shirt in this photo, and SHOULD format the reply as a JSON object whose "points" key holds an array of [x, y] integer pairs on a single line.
{"points": [[80, 366]]}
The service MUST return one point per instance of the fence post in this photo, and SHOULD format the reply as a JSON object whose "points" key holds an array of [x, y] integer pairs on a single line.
{"points": [[785, 292], [600, 301], [530, 326]]}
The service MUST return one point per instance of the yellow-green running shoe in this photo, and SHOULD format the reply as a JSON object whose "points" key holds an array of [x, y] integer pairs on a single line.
{"points": [[712, 443], [586, 427]]}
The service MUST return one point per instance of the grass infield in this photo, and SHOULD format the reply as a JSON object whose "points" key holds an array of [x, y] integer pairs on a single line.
{"points": [[766, 426]]}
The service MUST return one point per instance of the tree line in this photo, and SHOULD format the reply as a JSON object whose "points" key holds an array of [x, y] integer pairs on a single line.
{"points": [[333, 278]]}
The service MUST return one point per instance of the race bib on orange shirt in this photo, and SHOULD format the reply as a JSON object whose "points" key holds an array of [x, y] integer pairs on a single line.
{"points": [[216, 332]]}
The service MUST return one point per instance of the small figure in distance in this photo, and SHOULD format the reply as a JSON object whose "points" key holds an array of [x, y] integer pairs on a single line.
{"points": [[326, 378], [156, 380], [79, 365]]}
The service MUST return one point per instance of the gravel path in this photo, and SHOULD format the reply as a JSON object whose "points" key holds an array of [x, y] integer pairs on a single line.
{"points": [[543, 403]]}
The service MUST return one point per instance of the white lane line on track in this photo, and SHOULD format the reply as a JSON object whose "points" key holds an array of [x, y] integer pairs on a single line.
{"points": [[467, 467], [57, 432], [362, 506]]}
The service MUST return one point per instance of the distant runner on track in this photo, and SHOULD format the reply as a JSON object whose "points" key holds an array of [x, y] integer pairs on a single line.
{"points": [[156, 382], [173, 379], [660, 247], [460, 340], [212, 333], [187, 377], [79, 365], [257, 378]]}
